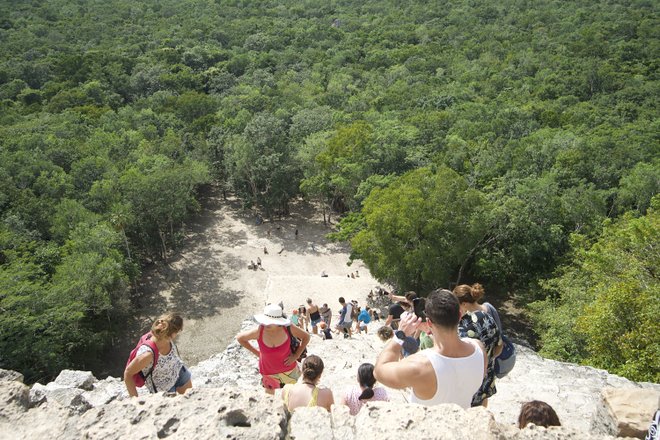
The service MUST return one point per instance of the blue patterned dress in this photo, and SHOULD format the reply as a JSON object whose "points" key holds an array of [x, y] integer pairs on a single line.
{"points": [[482, 326]]}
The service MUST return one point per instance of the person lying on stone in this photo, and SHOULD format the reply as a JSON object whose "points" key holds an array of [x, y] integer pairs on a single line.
{"points": [[449, 372], [307, 392]]}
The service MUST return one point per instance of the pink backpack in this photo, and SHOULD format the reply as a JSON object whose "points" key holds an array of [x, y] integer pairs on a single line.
{"points": [[139, 378]]}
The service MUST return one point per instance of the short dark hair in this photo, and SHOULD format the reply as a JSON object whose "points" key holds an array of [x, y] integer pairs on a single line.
{"points": [[342, 300], [442, 308], [538, 413]]}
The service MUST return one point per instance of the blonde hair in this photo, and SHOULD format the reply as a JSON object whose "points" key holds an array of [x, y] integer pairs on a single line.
{"points": [[469, 294], [166, 325]]}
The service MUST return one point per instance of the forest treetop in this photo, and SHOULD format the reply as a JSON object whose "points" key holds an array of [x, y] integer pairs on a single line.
{"points": [[458, 140]]}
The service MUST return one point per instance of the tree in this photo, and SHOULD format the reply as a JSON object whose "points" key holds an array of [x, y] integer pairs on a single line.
{"points": [[608, 297], [421, 229]]}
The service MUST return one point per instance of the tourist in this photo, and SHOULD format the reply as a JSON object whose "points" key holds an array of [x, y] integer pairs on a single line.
{"points": [[364, 392], [394, 315], [538, 413], [169, 374], [345, 320], [302, 313], [295, 319], [449, 372], [307, 393], [325, 331], [277, 364], [477, 323], [363, 319], [326, 314], [313, 315]]}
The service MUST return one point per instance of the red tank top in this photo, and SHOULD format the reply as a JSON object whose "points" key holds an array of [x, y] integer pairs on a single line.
{"points": [[272, 359]]}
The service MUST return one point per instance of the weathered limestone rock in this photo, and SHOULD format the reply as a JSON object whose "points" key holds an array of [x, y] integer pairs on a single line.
{"points": [[631, 409], [208, 413], [105, 391], [76, 379], [15, 399], [389, 422], [10, 375], [310, 423]]}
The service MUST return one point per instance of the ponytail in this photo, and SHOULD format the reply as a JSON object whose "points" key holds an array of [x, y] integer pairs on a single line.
{"points": [[166, 325], [366, 379], [367, 394]]}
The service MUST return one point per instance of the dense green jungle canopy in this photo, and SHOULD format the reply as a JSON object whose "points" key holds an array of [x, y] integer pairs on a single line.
{"points": [[511, 142]]}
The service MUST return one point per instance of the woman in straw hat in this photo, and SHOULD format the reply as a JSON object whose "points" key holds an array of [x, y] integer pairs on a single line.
{"points": [[277, 364]]}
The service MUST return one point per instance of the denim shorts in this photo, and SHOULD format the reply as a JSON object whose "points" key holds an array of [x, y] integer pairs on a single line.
{"points": [[184, 377]]}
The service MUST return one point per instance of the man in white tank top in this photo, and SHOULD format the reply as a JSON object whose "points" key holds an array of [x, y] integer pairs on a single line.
{"points": [[449, 372]]}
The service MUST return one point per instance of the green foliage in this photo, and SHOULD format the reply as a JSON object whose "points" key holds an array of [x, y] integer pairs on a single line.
{"points": [[421, 228], [116, 113], [604, 305]]}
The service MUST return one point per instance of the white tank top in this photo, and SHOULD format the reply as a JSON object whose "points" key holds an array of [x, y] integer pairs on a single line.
{"points": [[457, 379]]}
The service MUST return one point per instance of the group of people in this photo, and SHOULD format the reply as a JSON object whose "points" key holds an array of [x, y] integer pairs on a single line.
{"points": [[442, 352], [300, 383]]}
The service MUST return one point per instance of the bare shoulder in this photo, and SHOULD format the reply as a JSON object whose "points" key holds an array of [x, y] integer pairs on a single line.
{"points": [[252, 333]]}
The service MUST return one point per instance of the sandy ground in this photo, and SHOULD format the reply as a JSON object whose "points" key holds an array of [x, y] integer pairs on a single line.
{"points": [[209, 282]]}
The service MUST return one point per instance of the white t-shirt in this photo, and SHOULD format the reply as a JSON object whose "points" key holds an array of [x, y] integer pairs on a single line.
{"points": [[166, 372], [349, 312]]}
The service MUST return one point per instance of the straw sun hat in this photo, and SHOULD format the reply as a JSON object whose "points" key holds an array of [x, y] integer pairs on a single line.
{"points": [[272, 315]]}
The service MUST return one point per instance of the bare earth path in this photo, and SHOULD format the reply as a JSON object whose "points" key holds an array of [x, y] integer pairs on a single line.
{"points": [[209, 282]]}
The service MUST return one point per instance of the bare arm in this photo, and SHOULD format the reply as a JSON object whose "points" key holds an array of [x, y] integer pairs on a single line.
{"points": [[304, 340], [393, 372], [137, 364], [397, 298], [245, 337]]}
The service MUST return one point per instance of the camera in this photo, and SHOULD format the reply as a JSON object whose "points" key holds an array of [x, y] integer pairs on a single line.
{"points": [[418, 307]]}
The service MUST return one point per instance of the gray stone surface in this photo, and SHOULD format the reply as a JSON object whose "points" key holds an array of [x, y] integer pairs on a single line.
{"points": [[310, 423], [76, 379], [10, 375]]}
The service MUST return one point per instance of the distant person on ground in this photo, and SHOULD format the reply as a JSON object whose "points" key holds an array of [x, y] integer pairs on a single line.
{"points": [[477, 323], [326, 314], [277, 364], [313, 314], [364, 392], [307, 393], [450, 372], [169, 373], [345, 322], [538, 413]]}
